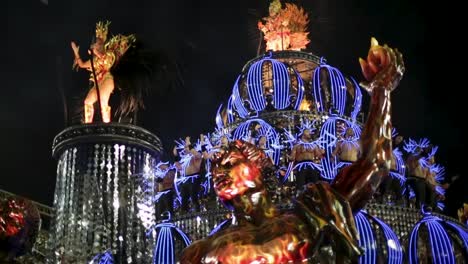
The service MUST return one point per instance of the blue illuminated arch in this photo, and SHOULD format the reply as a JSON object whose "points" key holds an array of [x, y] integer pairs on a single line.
{"points": [[442, 249], [368, 241], [281, 87], [164, 250], [237, 102], [243, 132], [337, 87]]}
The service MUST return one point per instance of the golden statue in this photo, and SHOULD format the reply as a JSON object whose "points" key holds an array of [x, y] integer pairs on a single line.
{"points": [[285, 28], [104, 56], [322, 214]]}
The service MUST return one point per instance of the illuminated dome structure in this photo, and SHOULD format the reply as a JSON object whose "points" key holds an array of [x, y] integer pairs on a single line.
{"points": [[286, 90], [292, 80], [280, 94], [448, 241], [277, 96]]}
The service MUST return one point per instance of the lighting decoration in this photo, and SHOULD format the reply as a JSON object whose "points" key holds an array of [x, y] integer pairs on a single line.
{"points": [[441, 242], [438, 170], [104, 192], [412, 145], [103, 258], [400, 171], [221, 225], [236, 103], [210, 148], [296, 139], [328, 133], [164, 251], [230, 112], [185, 158], [394, 248], [462, 232], [243, 131], [282, 79], [219, 133], [161, 173], [219, 118], [337, 84], [293, 138], [368, 241], [357, 99], [439, 177]]}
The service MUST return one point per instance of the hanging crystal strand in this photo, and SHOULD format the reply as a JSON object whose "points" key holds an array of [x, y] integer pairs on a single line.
{"points": [[68, 194], [84, 187], [74, 203], [99, 211], [91, 196], [138, 180], [127, 212], [107, 196], [59, 204], [111, 226], [149, 213], [116, 200]]}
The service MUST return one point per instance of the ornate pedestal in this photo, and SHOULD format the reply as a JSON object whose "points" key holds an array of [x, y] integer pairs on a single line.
{"points": [[103, 194]]}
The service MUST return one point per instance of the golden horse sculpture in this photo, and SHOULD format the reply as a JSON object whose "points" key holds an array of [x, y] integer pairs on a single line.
{"points": [[323, 214], [104, 56]]}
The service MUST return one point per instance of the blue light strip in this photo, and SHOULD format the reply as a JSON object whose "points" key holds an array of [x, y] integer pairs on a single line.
{"points": [[441, 246], [219, 133], [164, 249], [337, 87], [184, 237], [281, 83], [230, 113], [237, 100], [329, 163], [220, 226], [103, 258], [400, 167], [300, 90], [255, 86], [395, 251], [219, 118], [357, 99], [413, 245], [317, 91], [461, 232], [366, 239], [412, 144], [444, 252]]}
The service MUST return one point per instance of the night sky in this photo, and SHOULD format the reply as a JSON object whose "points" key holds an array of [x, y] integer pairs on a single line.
{"points": [[211, 41]]}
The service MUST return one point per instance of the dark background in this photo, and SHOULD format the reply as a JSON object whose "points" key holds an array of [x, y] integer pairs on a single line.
{"points": [[211, 41]]}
